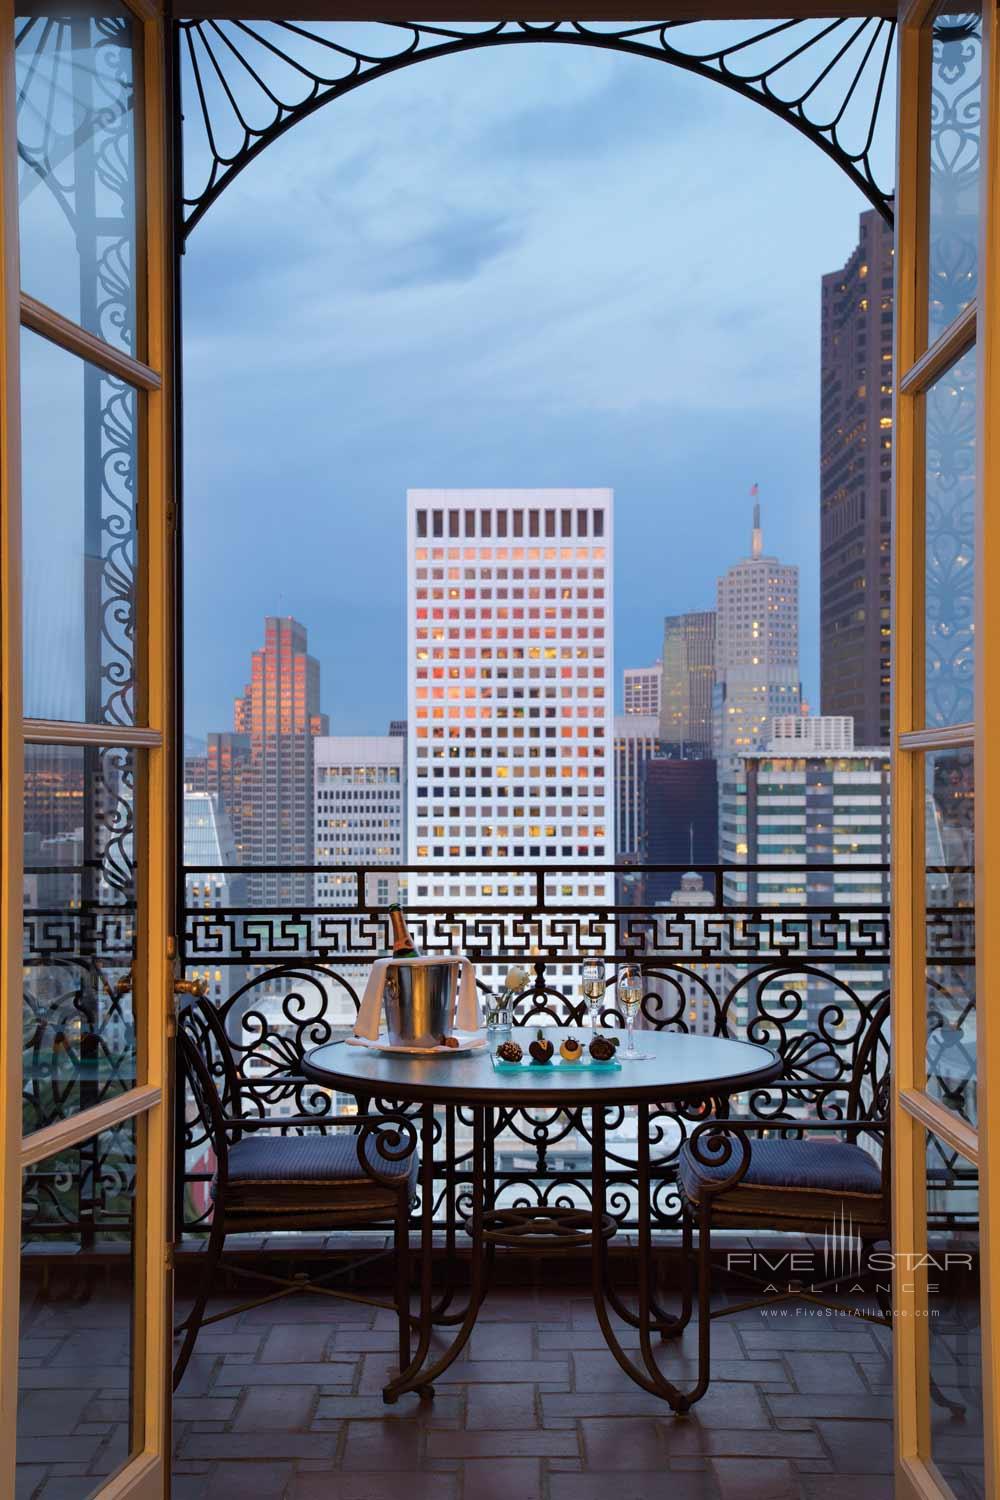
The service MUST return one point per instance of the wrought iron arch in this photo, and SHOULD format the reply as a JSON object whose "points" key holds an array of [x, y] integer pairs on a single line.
{"points": [[247, 83]]}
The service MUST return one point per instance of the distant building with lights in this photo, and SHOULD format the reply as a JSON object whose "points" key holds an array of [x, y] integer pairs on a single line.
{"points": [[688, 683], [757, 650], [360, 816], [641, 693], [856, 483], [637, 741], [816, 808]]}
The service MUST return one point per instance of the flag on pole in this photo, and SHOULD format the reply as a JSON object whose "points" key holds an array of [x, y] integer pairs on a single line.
{"points": [[754, 490]]}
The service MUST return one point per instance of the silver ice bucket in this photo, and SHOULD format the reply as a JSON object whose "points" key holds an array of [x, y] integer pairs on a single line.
{"points": [[420, 1002]]}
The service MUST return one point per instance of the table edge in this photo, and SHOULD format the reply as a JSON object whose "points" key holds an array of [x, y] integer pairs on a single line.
{"points": [[617, 1092]]}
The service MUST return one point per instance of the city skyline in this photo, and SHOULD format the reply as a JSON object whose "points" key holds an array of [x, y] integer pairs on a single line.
{"points": [[548, 321], [197, 738]]}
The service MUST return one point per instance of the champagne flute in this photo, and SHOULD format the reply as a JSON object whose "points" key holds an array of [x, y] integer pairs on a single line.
{"points": [[594, 983], [630, 998]]}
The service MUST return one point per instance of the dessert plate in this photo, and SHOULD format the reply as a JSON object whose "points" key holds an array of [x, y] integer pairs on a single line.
{"points": [[465, 1044]]}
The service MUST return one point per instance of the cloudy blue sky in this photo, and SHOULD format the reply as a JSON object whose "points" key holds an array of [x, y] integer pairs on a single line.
{"points": [[526, 266]]}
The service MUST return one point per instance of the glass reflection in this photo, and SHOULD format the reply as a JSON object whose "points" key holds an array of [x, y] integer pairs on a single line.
{"points": [[949, 584], [950, 929], [76, 163], [79, 929], [74, 1419], [956, 1372], [79, 463], [956, 69]]}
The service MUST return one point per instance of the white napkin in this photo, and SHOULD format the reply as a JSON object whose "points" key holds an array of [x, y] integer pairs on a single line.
{"points": [[369, 1022]]}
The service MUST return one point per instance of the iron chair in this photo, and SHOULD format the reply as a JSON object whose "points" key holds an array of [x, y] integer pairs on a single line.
{"points": [[264, 1182], [810, 1177]]}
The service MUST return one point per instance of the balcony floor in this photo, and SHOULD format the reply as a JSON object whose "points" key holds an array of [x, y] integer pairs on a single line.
{"points": [[284, 1405]]}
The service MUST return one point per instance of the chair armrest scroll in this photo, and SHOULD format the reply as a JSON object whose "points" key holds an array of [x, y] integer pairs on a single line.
{"points": [[394, 1137]]}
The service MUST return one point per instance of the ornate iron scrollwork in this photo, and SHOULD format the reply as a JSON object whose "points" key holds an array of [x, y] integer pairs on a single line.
{"points": [[246, 83]]}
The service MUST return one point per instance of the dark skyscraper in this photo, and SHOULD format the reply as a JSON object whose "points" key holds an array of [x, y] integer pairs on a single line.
{"points": [[687, 682], [856, 484], [682, 820], [263, 772]]}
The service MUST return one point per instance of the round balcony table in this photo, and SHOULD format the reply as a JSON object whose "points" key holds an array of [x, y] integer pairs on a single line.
{"points": [[682, 1069]]}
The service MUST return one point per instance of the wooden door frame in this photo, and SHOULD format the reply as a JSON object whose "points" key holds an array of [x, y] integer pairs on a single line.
{"points": [[915, 1112], [146, 1473]]}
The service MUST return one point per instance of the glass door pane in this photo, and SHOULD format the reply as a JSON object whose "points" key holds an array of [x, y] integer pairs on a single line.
{"points": [[76, 1420], [80, 912], [955, 1380], [79, 537], [76, 140], [954, 125], [949, 544], [950, 931]]}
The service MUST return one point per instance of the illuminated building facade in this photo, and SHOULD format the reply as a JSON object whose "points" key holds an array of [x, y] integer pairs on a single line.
{"points": [[510, 677], [856, 484], [276, 721]]}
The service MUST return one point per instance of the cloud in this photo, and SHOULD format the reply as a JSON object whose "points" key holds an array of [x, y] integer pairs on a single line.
{"points": [[535, 265]]}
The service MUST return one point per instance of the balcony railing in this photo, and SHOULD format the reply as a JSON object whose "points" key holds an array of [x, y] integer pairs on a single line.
{"points": [[793, 957], [802, 976]]}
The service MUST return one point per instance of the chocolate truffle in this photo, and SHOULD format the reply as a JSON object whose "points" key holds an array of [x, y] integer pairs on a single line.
{"points": [[541, 1049]]}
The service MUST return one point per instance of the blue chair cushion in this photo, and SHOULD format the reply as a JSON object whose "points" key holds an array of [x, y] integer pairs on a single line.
{"points": [[791, 1180], [318, 1175]]}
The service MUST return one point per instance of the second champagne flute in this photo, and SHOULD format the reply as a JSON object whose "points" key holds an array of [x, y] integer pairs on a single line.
{"points": [[630, 998], [594, 983]]}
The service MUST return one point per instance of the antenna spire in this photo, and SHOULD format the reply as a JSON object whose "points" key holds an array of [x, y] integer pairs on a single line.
{"points": [[757, 540]]}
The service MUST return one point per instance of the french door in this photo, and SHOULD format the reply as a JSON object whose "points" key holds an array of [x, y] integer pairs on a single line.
{"points": [[946, 755], [86, 619]]}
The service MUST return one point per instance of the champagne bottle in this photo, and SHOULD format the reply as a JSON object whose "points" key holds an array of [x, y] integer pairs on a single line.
{"points": [[402, 943]]}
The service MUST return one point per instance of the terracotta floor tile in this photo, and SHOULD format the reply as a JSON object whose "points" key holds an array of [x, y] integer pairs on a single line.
{"points": [[764, 1479], [503, 1479], [859, 1447], [495, 1406], [271, 1408], [369, 1485], [384, 1445]]}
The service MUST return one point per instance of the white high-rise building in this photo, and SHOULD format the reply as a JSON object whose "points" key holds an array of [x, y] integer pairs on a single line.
{"points": [[359, 814], [757, 650], [642, 689], [637, 740], [509, 695]]}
